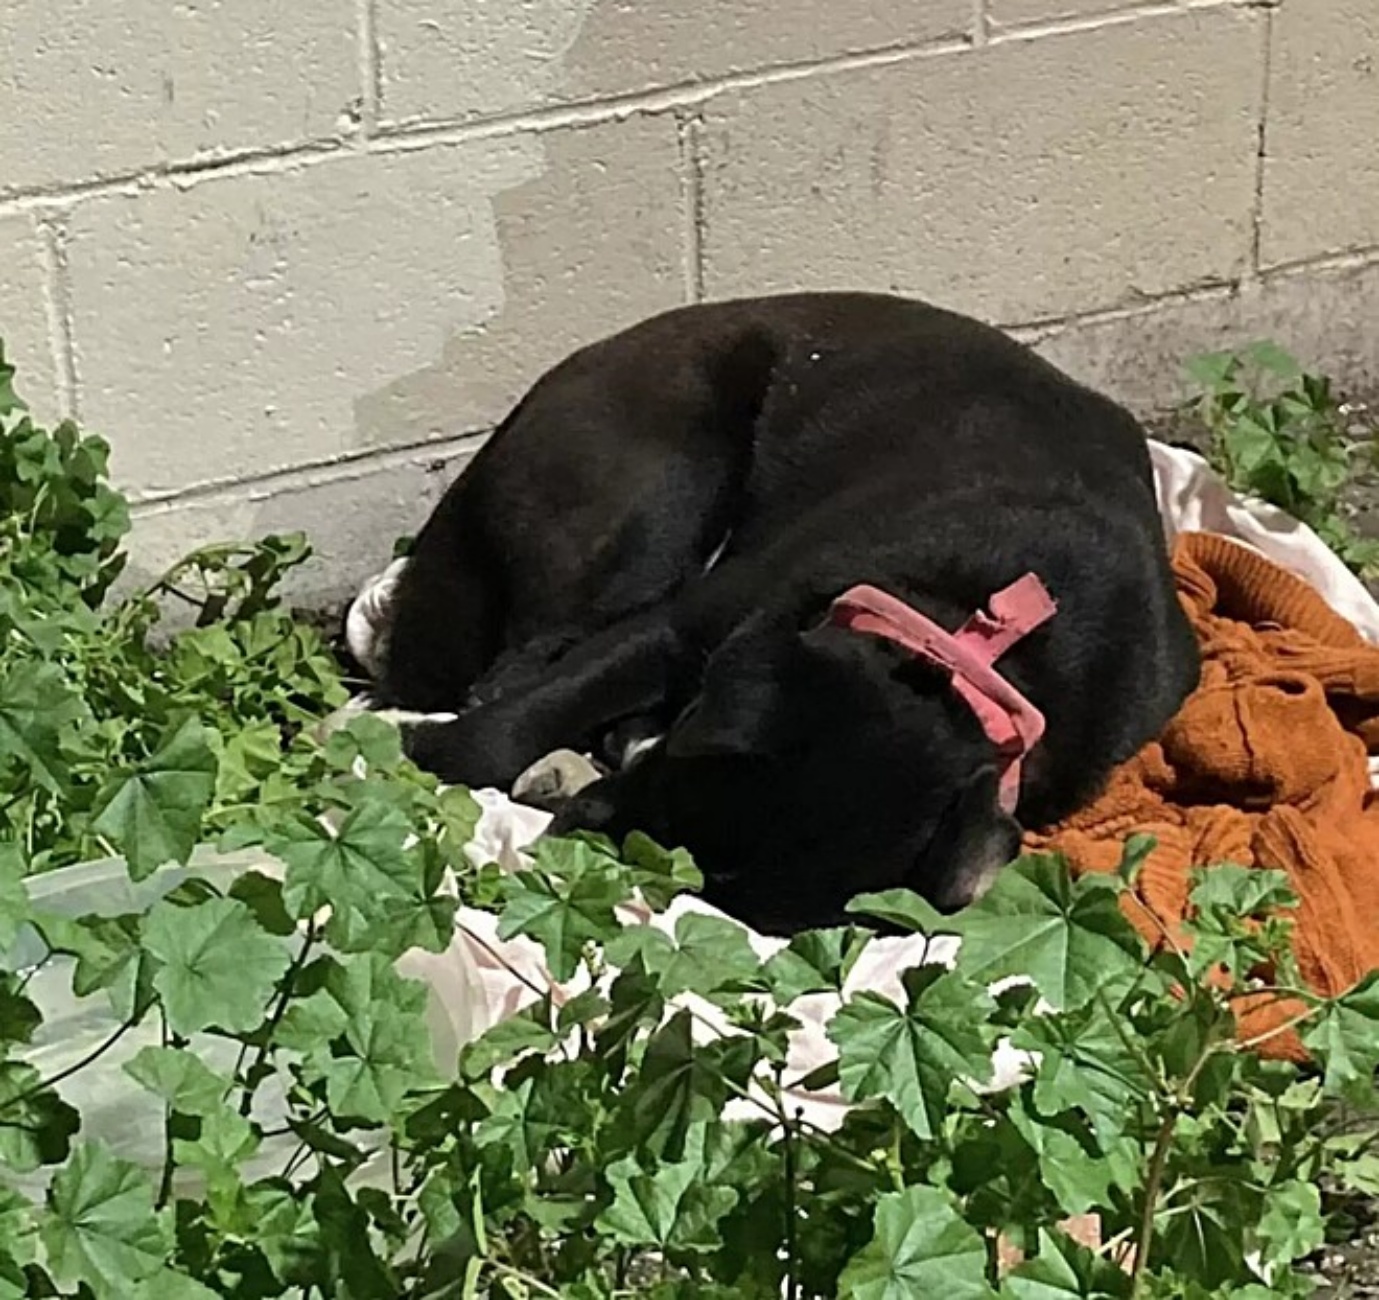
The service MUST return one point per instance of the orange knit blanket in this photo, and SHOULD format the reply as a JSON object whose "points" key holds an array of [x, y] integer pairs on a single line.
{"points": [[1265, 765]]}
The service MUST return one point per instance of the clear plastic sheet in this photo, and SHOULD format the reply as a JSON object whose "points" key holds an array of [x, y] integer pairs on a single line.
{"points": [[115, 1109]]}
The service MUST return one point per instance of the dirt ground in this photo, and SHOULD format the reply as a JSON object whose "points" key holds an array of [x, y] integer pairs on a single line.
{"points": [[1349, 1270]]}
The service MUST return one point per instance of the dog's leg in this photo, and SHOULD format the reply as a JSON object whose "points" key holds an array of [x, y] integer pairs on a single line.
{"points": [[627, 670]]}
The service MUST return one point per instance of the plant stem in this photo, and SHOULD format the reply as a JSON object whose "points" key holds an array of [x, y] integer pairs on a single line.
{"points": [[1301, 1018], [1153, 1180], [89, 1059], [1158, 1161], [165, 1182], [274, 1020], [792, 1285]]}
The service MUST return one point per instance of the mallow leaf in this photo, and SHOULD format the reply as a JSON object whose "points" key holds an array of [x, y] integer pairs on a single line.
{"points": [[1068, 936], [219, 966], [920, 1246], [153, 813], [911, 1056]]}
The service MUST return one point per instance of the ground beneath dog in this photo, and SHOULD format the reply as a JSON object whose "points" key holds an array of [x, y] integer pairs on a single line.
{"points": [[1350, 1270]]}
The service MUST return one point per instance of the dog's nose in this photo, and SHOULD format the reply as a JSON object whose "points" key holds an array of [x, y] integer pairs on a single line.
{"points": [[961, 890]]}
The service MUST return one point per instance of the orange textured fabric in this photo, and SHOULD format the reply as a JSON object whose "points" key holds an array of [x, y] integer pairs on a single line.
{"points": [[1265, 765]]}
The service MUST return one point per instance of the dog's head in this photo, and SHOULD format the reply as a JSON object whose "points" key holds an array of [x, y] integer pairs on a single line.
{"points": [[812, 767]]}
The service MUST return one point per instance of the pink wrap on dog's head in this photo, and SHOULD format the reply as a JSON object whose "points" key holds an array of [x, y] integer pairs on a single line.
{"points": [[968, 655]]}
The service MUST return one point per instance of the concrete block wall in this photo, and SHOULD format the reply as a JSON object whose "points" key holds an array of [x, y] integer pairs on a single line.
{"points": [[294, 260]]}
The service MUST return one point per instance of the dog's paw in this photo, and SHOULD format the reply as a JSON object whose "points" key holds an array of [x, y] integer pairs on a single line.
{"points": [[560, 775]]}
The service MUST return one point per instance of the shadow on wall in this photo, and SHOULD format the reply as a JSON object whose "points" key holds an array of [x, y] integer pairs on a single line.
{"points": [[590, 240], [590, 243]]}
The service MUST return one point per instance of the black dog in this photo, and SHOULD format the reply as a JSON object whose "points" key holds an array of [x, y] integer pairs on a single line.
{"points": [[656, 541]]}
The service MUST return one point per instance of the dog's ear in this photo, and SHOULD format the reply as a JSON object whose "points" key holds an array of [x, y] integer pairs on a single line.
{"points": [[732, 715], [738, 708], [975, 840]]}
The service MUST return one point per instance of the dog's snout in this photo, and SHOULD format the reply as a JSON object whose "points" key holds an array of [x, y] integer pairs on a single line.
{"points": [[961, 890]]}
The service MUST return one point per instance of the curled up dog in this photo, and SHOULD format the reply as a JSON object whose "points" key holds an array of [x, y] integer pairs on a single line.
{"points": [[845, 589]]}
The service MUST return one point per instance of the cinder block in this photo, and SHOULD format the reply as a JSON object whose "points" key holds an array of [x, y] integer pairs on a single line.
{"points": [[443, 60], [93, 87], [1012, 13], [24, 316], [1325, 317], [1321, 171], [352, 515], [1019, 181], [259, 322]]}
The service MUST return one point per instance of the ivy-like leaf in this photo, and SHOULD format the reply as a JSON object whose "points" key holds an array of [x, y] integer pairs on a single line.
{"points": [[1229, 903], [18, 1233], [904, 909], [1069, 937], [17, 1223], [19, 1017], [352, 1263], [1065, 1270], [1236, 891], [383, 1051], [1344, 1037], [515, 1124], [219, 966], [169, 1285], [564, 916], [180, 1078], [670, 1207], [102, 1224], [817, 961], [912, 1057], [1292, 1226], [15, 910], [263, 896], [1085, 1064], [35, 704], [660, 873], [153, 813], [225, 1140], [503, 1043], [366, 738], [251, 754], [677, 1088], [1077, 1179], [920, 1247], [707, 955], [362, 872], [108, 956], [36, 1125], [1201, 1239]]}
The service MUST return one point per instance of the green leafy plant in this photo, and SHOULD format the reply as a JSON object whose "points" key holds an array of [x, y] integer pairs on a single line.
{"points": [[1280, 433], [313, 1135], [103, 731]]}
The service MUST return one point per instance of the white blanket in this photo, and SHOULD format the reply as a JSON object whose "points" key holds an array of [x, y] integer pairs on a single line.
{"points": [[1191, 498]]}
